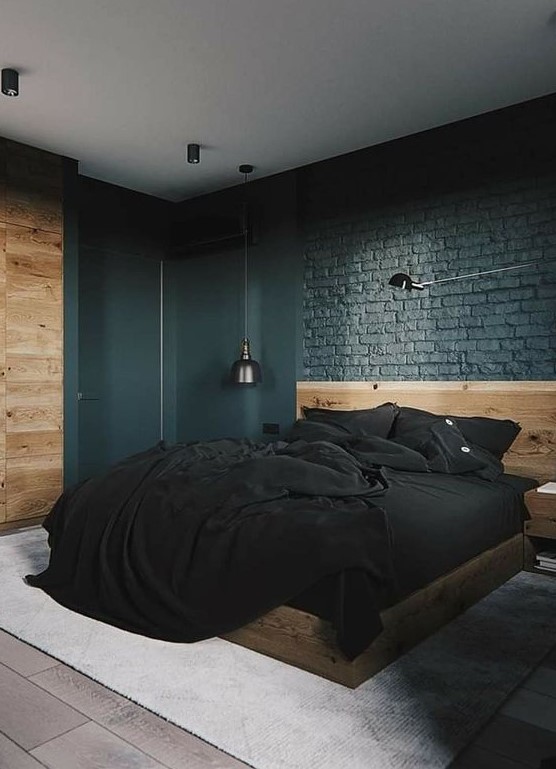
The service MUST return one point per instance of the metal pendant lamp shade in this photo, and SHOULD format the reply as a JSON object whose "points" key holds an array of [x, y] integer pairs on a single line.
{"points": [[245, 370]]}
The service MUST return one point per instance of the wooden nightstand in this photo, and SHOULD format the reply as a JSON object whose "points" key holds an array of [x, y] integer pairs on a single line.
{"points": [[540, 530]]}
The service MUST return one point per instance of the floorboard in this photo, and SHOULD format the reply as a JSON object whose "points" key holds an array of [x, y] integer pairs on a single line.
{"points": [[28, 715], [543, 681], [21, 657], [14, 757], [478, 758], [57, 718], [517, 740], [533, 708], [159, 739], [92, 747]]}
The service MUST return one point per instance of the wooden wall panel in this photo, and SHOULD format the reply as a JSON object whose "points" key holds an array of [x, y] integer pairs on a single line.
{"points": [[34, 292], [2, 491], [2, 443], [32, 485], [31, 369], [2, 420], [33, 188], [532, 404], [2, 180], [31, 332], [34, 252], [2, 353], [33, 419]]}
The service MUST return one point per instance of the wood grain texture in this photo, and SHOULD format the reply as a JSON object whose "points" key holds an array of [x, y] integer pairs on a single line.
{"points": [[31, 333], [32, 407], [34, 443], [33, 485], [2, 300], [541, 506], [532, 404], [540, 527], [92, 747], [22, 658], [35, 166], [308, 642], [32, 252], [29, 715], [2, 180], [33, 369], [21, 523], [2, 353], [14, 757], [153, 735], [2, 419], [33, 188], [3, 509]]}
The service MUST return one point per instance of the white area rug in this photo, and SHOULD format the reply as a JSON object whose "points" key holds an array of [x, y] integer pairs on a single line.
{"points": [[416, 714]]}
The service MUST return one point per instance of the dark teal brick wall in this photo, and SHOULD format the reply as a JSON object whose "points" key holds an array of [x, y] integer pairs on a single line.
{"points": [[472, 196]]}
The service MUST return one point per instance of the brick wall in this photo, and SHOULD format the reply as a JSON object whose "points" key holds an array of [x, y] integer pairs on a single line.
{"points": [[472, 196]]}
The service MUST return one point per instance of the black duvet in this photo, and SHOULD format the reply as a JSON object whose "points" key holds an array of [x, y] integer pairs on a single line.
{"points": [[188, 542]]}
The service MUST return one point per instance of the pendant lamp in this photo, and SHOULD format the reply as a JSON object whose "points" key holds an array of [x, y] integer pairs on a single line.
{"points": [[245, 370]]}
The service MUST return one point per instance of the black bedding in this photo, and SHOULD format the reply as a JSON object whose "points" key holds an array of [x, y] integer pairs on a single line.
{"points": [[449, 520], [187, 542], [190, 541]]}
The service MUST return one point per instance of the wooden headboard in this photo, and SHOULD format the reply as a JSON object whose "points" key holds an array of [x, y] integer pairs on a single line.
{"points": [[532, 404]]}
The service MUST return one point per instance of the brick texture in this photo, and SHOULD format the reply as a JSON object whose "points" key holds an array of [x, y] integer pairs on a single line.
{"points": [[476, 195]]}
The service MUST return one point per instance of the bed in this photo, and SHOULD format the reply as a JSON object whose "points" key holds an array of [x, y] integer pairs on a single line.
{"points": [[286, 548], [306, 640]]}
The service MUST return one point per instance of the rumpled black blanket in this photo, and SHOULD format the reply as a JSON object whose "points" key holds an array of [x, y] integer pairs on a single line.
{"points": [[187, 542]]}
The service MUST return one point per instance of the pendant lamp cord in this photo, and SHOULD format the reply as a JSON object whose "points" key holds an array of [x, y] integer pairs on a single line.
{"points": [[245, 266]]}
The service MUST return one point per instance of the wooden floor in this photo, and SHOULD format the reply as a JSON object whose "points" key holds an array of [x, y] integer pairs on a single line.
{"points": [[52, 716]]}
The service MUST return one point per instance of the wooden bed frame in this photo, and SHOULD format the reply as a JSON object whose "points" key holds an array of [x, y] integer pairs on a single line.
{"points": [[304, 640]]}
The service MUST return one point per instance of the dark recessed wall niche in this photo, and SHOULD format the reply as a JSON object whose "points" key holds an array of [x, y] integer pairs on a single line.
{"points": [[471, 196]]}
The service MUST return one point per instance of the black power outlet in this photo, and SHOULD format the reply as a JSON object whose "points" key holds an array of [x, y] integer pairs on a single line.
{"points": [[271, 428]]}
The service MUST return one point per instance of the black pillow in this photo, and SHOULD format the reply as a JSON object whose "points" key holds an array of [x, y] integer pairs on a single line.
{"points": [[494, 435], [360, 422], [448, 451], [411, 428]]}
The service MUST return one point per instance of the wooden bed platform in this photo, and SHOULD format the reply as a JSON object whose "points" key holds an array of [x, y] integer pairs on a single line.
{"points": [[304, 640]]}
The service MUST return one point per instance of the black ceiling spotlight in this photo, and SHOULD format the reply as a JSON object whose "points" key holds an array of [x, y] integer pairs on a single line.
{"points": [[194, 153], [401, 280], [10, 82]]}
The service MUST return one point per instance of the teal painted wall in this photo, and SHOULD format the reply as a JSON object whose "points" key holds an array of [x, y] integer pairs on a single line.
{"points": [[122, 237], [302, 218], [119, 334], [204, 319], [71, 319]]}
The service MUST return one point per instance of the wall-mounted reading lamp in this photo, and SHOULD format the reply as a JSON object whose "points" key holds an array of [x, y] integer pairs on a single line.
{"points": [[401, 280]]}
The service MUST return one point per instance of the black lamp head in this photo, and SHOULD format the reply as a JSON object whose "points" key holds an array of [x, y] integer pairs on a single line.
{"points": [[10, 82], [401, 280], [194, 153]]}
